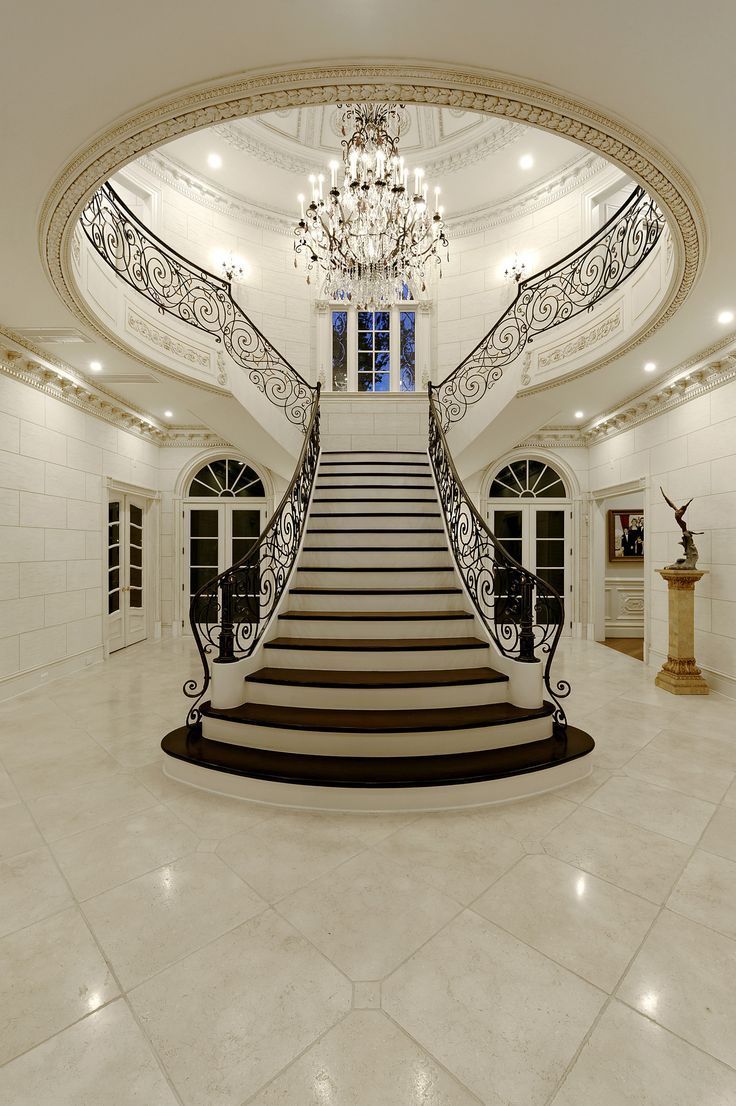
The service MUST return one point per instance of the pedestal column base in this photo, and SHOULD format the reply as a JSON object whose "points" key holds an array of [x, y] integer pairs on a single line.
{"points": [[682, 683], [680, 674]]}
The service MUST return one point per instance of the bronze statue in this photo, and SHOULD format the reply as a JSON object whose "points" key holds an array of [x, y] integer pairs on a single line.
{"points": [[690, 560]]}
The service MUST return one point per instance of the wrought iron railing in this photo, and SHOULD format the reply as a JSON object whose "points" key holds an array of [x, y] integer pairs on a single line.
{"points": [[193, 295], [575, 283], [524, 615], [229, 614]]}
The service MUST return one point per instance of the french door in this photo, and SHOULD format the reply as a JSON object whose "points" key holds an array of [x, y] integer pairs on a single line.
{"points": [[127, 588], [536, 535], [217, 535]]}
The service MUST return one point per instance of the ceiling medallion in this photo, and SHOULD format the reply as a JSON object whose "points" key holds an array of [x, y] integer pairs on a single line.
{"points": [[372, 235]]}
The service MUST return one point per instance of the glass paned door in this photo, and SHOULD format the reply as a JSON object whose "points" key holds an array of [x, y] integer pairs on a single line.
{"points": [[205, 527], [218, 535], [126, 586], [536, 536]]}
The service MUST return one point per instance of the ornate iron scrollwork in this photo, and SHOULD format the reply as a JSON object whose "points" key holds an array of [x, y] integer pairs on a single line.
{"points": [[180, 288], [230, 613], [574, 284], [522, 613]]}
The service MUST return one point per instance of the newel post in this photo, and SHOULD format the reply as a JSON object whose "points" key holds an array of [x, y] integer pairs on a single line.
{"points": [[227, 637], [526, 620]]}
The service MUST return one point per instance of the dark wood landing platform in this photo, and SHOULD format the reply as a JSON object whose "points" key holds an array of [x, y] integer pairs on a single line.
{"points": [[187, 744]]}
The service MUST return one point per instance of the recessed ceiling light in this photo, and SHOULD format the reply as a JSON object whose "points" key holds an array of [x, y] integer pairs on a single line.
{"points": [[725, 317], [526, 161], [579, 414], [95, 366], [168, 414], [649, 367], [214, 161]]}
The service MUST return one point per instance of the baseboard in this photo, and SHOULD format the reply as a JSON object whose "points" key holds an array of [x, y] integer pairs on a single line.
{"points": [[721, 682], [19, 682]]}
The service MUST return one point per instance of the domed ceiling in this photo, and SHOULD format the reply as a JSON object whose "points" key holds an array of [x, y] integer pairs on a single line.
{"points": [[478, 160]]}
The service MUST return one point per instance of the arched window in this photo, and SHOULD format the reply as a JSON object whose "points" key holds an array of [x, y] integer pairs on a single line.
{"points": [[228, 479], [527, 479]]}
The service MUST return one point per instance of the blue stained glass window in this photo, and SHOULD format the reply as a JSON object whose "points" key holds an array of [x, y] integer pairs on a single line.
{"points": [[407, 351], [340, 351]]}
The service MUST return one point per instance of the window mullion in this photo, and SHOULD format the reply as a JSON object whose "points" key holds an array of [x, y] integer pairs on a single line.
{"points": [[352, 349]]}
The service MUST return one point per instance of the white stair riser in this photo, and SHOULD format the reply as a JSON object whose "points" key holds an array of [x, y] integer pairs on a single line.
{"points": [[370, 578], [375, 631], [375, 539], [371, 480], [409, 496], [375, 660], [385, 698], [375, 558], [340, 517], [433, 742], [425, 601], [388, 458]]}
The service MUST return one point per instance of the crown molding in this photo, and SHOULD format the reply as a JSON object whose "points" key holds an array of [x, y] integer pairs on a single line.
{"points": [[25, 363], [568, 437]]}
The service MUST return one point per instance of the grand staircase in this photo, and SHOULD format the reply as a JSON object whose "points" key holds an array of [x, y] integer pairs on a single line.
{"points": [[376, 686]]}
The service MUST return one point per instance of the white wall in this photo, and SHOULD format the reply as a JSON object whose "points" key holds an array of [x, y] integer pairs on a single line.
{"points": [[53, 461]]}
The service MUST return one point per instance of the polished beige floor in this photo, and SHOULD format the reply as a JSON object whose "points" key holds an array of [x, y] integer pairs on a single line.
{"points": [[161, 945]]}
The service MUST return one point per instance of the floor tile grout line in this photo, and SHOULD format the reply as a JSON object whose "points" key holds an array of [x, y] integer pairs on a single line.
{"points": [[58, 1032], [456, 1078]]}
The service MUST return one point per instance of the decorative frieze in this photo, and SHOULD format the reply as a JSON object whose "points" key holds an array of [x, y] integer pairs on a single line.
{"points": [[163, 340], [612, 324]]}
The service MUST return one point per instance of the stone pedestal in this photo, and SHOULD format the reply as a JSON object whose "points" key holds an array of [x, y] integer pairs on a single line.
{"points": [[679, 674]]}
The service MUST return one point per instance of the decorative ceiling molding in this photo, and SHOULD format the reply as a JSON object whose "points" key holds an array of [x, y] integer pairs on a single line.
{"points": [[566, 180], [59, 381], [408, 83], [568, 438], [690, 380]]}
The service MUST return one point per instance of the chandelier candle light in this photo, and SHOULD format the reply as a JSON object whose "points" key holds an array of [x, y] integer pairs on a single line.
{"points": [[371, 234]]}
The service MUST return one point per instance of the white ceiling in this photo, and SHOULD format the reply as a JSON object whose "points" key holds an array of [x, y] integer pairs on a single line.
{"points": [[474, 158], [665, 68]]}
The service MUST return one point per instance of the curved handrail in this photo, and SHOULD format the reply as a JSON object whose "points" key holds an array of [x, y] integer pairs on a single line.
{"points": [[230, 613], [197, 297], [563, 290], [521, 612]]}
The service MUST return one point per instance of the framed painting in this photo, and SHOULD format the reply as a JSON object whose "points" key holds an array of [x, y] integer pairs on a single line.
{"points": [[625, 536]]}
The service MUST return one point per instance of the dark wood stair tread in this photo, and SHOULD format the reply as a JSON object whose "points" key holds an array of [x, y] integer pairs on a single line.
{"points": [[375, 616], [372, 645], [373, 530], [403, 513], [310, 677], [424, 463], [395, 592], [375, 568], [315, 720], [374, 548], [187, 744]]}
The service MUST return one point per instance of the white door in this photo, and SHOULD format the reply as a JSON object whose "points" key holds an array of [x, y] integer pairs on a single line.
{"points": [[126, 584], [536, 535], [218, 535]]}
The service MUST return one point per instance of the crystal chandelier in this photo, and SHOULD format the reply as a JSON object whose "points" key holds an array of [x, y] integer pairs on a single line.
{"points": [[371, 234]]}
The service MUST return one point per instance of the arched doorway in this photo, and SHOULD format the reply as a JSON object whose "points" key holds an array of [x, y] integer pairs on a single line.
{"points": [[528, 505], [225, 509]]}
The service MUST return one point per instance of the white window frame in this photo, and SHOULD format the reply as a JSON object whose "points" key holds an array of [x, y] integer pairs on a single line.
{"points": [[422, 313]]}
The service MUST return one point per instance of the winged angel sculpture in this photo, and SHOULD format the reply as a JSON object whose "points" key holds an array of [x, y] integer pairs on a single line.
{"points": [[690, 560]]}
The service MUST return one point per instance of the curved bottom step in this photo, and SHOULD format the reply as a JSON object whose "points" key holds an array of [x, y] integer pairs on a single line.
{"points": [[444, 782]]}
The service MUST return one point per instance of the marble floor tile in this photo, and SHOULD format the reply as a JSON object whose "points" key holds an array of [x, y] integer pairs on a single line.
{"points": [[30, 889], [84, 808], [580, 921], [659, 809], [51, 975], [216, 816], [98, 859], [150, 922], [228, 1018], [631, 857], [704, 743], [49, 775], [706, 892], [368, 915], [8, 795], [455, 853], [288, 850], [504, 1019], [630, 1060], [581, 790], [720, 835], [730, 797], [103, 1059], [684, 978], [526, 820], [18, 833], [366, 1060], [690, 775]]}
